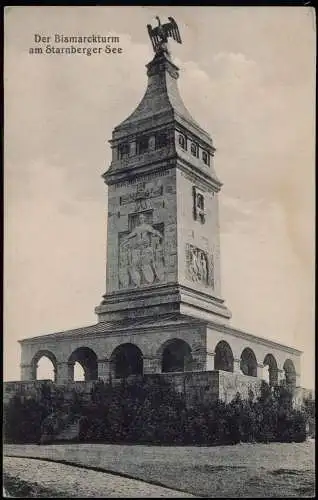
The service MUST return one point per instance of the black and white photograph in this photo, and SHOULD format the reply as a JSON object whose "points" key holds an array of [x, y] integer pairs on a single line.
{"points": [[159, 251]]}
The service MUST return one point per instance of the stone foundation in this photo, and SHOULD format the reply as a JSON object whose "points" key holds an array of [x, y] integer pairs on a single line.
{"points": [[198, 387]]}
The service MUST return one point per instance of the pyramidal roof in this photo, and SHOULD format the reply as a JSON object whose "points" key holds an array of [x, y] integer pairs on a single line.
{"points": [[161, 102]]}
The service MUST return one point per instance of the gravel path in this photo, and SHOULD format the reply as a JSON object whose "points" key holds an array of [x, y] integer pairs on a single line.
{"points": [[69, 481]]}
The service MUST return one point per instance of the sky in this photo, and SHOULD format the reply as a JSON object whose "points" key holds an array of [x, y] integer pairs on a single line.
{"points": [[247, 75]]}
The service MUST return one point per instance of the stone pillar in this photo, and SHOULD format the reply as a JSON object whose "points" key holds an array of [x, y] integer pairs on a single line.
{"points": [[210, 357], [199, 358], [27, 372], [104, 369], [64, 371], [152, 364], [260, 370], [280, 375], [297, 380], [237, 365]]}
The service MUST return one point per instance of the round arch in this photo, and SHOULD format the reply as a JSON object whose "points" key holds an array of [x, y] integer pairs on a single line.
{"points": [[224, 359], [175, 356], [87, 358], [248, 362], [290, 372], [43, 353], [126, 359], [271, 363]]}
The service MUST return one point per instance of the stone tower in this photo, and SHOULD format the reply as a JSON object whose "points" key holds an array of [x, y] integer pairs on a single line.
{"points": [[163, 243], [163, 311]]}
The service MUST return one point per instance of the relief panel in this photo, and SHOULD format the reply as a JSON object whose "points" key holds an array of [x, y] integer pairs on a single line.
{"points": [[141, 254], [199, 266]]}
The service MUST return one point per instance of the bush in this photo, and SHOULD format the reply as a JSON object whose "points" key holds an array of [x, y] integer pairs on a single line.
{"points": [[23, 417], [150, 411]]}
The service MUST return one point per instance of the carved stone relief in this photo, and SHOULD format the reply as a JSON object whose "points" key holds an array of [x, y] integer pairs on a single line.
{"points": [[141, 193], [141, 256], [199, 266]]}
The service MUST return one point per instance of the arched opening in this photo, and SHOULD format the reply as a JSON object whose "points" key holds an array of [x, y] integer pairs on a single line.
{"points": [[270, 369], [126, 359], [224, 359], [248, 363], [176, 356], [44, 366], [87, 359], [78, 372], [290, 372]]}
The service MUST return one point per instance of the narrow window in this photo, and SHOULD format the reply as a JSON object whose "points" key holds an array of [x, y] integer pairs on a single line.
{"points": [[182, 141], [198, 206], [142, 145], [194, 149], [206, 158], [161, 140], [123, 150]]}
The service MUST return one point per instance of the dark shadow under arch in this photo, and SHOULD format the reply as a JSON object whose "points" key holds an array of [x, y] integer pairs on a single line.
{"points": [[270, 361], [176, 356], [126, 360], [248, 363], [224, 359]]}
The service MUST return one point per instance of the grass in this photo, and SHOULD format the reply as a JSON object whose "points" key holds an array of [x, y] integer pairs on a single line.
{"points": [[248, 470]]}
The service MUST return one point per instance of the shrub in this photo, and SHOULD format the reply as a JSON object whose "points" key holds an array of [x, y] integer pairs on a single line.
{"points": [[150, 411], [23, 417]]}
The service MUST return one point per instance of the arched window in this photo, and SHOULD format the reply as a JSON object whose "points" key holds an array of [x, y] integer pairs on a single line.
{"points": [[44, 366], [176, 356], [270, 365], [223, 357], [290, 372], [198, 205], [126, 359], [248, 363], [87, 359]]}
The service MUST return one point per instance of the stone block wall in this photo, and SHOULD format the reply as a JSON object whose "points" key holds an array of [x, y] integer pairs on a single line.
{"points": [[30, 388], [200, 386]]}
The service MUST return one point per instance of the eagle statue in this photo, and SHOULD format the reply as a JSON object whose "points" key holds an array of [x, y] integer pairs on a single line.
{"points": [[159, 34]]}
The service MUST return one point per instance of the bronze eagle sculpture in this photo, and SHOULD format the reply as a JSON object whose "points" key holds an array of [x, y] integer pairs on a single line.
{"points": [[159, 34]]}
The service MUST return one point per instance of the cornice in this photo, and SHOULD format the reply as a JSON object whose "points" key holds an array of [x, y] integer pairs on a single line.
{"points": [[253, 338]]}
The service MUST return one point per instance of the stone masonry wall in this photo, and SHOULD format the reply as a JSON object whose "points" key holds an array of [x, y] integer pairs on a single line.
{"points": [[201, 386]]}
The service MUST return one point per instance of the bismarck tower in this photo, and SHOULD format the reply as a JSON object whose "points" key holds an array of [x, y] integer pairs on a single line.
{"points": [[163, 310], [163, 241]]}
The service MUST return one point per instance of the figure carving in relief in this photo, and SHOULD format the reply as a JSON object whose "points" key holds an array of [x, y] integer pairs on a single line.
{"points": [[203, 267], [143, 231], [198, 266], [141, 256], [194, 266]]}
